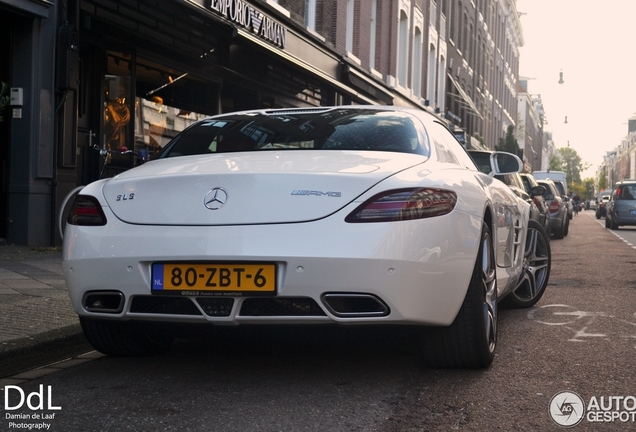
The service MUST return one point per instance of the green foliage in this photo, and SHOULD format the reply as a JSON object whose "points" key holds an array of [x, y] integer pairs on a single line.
{"points": [[602, 181], [568, 160], [555, 163], [584, 189], [509, 143], [572, 164], [4, 98]]}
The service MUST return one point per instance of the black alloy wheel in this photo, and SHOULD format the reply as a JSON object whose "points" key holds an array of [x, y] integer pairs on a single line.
{"points": [[470, 341], [537, 259]]}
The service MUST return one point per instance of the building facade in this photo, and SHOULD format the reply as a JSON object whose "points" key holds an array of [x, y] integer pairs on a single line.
{"points": [[620, 163], [105, 84]]}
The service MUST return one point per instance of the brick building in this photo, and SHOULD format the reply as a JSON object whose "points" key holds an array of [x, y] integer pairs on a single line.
{"points": [[132, 73]]}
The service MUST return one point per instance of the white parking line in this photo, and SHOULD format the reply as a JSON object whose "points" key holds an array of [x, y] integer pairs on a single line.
{"points": [[601, 222]]}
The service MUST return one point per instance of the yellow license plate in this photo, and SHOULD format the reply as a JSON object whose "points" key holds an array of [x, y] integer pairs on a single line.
{"points": [[213, 277]]}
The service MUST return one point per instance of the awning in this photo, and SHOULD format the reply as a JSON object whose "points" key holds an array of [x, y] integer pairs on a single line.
{"points": [[282, 54], [463, 98], [358, 80], [35, 7]]}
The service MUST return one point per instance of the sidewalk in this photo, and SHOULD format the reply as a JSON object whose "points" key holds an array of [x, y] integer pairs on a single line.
{"points": [[35, 310]]}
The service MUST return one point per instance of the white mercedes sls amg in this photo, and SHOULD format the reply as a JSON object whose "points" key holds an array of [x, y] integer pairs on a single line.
{"points": [[350, 215]]}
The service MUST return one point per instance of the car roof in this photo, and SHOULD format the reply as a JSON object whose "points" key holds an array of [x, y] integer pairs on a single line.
{"points": [[550, 184]]}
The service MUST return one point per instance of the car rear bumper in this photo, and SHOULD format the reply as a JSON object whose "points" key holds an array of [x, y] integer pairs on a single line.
{"points": [[411, 272]]}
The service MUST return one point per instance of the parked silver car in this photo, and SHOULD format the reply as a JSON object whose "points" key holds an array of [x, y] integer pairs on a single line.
{"points": [[558, 212], [566, 199], [621, 207]]}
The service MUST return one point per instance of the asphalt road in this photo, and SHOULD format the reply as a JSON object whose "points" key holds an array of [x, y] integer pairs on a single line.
{"points": [[581, 338]]}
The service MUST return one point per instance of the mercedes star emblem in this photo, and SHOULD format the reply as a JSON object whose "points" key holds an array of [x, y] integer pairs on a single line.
{"points": [[215, 199]]}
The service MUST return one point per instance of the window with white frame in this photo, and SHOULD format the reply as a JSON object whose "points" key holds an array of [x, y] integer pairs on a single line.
{"points": [[373, 33], [350, 25], [441, 83], [432, 72], [418, 40], [403, 44], [310, 14]]}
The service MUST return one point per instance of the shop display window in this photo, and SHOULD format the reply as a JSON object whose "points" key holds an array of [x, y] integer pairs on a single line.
{"points": [[145, 106]]}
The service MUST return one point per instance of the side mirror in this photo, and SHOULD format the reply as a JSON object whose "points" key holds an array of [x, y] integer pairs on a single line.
{"points": [[538, 190], [504, 163]]}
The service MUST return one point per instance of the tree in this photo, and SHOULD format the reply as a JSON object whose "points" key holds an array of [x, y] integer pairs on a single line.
{"points": [[555, 162], [589, 187], [571, 164], [602, 181], [509, 143]]}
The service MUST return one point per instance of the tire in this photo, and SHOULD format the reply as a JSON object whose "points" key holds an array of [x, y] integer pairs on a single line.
{"points": [[559, 233], [607, 223], [566, 229], [612, 225], [125, 339], [470, 341], [536, 269]]}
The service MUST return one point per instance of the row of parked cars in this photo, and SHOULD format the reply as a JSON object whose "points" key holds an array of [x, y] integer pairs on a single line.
{"points": [[550, 205], [619, 205]]}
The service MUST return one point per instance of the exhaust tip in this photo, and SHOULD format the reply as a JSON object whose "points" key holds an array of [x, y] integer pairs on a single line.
{"points": [[347, 305], [104, 301]]}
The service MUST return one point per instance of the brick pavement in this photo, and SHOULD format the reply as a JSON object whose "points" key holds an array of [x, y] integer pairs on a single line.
{"points": [[34, 303]]}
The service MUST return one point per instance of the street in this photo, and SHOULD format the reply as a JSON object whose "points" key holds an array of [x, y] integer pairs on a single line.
{"points": [[581, 338]]}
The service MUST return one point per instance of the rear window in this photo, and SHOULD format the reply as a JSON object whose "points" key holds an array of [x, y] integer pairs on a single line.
{"points": [[332, 129], [627, 192], [560, 187]]}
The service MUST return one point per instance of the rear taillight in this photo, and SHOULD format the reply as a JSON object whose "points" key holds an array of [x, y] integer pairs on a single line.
{"points": [[405, 204], [554, 206], [86, 211]]}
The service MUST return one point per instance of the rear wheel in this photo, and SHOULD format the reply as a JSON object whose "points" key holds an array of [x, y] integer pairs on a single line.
{"points": [[612, 224], [559, 233], [536, 268], [470, 341], [125, 339]]}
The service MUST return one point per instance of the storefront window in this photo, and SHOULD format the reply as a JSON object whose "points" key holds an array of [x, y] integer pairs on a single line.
{"points": [[117, 112], [165, 102], [157, 123], [117, 137]]}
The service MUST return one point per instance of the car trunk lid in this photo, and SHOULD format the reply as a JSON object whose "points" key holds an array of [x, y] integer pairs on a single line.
{"points": [[248, 188]]}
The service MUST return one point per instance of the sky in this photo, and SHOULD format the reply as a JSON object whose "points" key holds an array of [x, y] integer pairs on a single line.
{"points": [[594, 45]]}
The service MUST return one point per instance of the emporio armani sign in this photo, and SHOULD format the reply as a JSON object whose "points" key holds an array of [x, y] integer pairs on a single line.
{"points": [[250, 18]]}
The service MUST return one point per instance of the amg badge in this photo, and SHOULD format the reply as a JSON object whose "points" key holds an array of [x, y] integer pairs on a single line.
{"points": [[316, 193]]}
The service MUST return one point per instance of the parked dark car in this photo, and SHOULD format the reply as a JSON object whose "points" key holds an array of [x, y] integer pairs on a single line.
{"points": [[530, 183], [569, 205], [558, 212], [532, 193], [602, 199], [621, 207]]}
